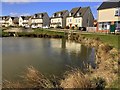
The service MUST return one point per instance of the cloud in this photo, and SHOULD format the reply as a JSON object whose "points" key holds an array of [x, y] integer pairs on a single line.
{"points": [[14, 14]]}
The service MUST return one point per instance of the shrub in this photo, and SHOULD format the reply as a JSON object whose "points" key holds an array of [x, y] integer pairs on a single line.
{"points": [[51, 27], [67, 27], [76, 28], [72, 28], [58, 27]]}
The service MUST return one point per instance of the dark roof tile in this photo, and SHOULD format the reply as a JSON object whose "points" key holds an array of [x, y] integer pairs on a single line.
{"points": [[106, 5]]}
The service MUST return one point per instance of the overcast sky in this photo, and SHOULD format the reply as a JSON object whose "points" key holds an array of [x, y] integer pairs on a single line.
{"points": [[30, 8]]}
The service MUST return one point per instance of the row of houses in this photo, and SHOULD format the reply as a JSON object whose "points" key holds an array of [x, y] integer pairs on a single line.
{"points": [[79, 17], [108, 15]]}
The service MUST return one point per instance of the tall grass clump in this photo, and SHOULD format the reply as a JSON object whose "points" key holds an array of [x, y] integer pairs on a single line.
{"points": [[75, 79], [32, 78]]}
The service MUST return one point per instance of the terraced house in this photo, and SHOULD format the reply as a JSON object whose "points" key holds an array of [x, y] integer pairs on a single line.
{"points": [[80, 17], [40, 20], [109, 17], [58, 19], [4, 21], [9, 21], [24, 21]]}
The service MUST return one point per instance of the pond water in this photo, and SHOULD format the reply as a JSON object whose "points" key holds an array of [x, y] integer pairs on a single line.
{"points": [[49, 56]]}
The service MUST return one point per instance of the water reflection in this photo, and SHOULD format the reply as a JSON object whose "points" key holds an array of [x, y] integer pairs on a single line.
{"points": [[49, 56]]}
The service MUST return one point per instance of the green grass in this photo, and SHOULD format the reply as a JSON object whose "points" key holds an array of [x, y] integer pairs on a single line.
{"points": [[47, 31], [113, 40]]}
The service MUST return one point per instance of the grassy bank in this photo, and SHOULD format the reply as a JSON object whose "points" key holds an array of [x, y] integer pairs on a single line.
{"points": [[113, 40], [36, 33]]}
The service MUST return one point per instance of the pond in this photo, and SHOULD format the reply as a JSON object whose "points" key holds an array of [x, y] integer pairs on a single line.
{"points": [[49, 56]]}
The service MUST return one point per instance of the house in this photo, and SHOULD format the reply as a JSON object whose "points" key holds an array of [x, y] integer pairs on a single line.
{"points": [[24, 21], [4, 21], [40, 20], [58, 19], [13, 21], [108, 16], [9, 21], [80, 17]]}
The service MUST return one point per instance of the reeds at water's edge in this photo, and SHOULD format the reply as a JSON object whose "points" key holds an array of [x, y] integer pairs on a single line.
{"points": [[71, 79]]}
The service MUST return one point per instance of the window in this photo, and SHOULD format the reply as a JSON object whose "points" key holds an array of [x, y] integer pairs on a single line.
{"points": [[40, 16], [52, 20], [59, 14], [100, 26], [79, 21], [76, 20], [78, 14], [53, 15], [104, 26], [70, 14], [117, 12]]}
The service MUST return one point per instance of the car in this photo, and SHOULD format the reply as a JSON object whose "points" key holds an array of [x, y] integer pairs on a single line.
{"points": [[34, 26], [45, 27]]}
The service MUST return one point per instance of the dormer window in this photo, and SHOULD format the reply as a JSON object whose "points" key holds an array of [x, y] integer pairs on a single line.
{"points": [[78, 14], [59, 14], [53, 15], [70, 14], [40, 16]]}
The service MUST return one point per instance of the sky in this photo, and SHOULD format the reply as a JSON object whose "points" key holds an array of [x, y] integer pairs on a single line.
{"points": [[30, 8]]}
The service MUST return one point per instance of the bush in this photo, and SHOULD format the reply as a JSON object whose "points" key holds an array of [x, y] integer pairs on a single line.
{"points": [[51, 27], [67, 27], [58, 27], [76, 28], [72, 28], [82, 28]]}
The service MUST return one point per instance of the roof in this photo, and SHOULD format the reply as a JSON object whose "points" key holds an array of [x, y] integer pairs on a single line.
{"points": [[107, 5], [80, 10], [74, 11], [15, 20], [56, 14], [5, 18], [25, 17], [38, 14]]}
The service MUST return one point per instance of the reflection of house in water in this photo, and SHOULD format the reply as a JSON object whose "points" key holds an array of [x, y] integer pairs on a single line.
{"points": [[72, 46], [55, 43]]}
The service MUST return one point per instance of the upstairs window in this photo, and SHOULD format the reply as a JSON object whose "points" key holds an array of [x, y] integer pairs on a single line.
{"points": [[76, 20], [70, 14], [78, 14], [117, 12], [40, 16], [59, 14]]}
